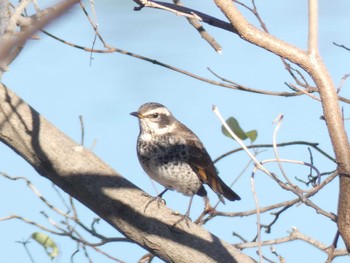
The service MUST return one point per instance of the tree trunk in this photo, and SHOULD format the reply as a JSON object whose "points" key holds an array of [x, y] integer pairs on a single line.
{"points": [[84, 176]]}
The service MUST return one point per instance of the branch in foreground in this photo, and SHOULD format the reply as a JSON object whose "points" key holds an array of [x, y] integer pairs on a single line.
{"points": [[85, 177], [11, 41]]}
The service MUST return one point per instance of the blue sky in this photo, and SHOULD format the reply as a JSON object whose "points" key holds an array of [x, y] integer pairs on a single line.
{"points": [[58, 81]]}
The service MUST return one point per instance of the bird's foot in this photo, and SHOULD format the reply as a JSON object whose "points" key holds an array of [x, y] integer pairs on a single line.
{"points": [[182, 218], [158, 198]]}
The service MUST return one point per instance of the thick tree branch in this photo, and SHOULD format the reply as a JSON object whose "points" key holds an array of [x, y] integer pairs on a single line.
{"points": [[88, 179]]}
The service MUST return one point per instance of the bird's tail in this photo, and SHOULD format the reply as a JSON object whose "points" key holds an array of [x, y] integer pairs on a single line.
{"points": [[217, 185], [226, 191]]}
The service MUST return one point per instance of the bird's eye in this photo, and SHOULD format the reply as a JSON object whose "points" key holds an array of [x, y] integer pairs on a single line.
{"points": [[155, 115]]}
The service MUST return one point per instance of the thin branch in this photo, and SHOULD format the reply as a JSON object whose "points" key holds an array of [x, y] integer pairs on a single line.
{"points": [[313, 191], [294, 235], [66, 216], [300, 192], [183, 11], [287, 66], [57, 190], [204, 34], [24, 243], [200, 220], [39, 21], [30, 222], [275, 149], [258, 218], [342, 82], [308, 93], [239, 141], [342, 46], [237, 86], [11, 27], [233, 85], [82, 129], [277, 215], [36, 192], [94, 25], [311, 144], [186, 12]]}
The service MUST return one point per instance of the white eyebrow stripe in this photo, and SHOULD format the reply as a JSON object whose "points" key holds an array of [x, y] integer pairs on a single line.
{"points": [[158, 110]]}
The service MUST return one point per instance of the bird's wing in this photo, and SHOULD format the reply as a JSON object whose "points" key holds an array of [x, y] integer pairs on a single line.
{"points": [[201, 163]]}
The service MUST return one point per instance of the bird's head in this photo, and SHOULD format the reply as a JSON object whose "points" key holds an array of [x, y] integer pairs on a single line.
{"points": [[154, 118]]}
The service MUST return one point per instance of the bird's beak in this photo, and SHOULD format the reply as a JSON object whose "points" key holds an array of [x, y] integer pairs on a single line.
{"points": [[136, 114]]}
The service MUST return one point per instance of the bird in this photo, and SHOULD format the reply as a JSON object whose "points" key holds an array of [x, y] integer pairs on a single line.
{"points": [[172, 155]]}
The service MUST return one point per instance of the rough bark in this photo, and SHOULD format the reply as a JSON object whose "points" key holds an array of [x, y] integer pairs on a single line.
{"points": [[84, 176]]}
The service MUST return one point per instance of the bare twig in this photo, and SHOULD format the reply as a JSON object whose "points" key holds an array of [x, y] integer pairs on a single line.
{"points": [[64, 227], [303, 82], [24, 243], [299, 192], [204, 34], [239, 141], [11, 27], [186, 12], [275, 149], [277, 215], [258, 219], [10, 42], [295, 235], [82, 129], [308, 93], [30, 222], [281, 204], [200, 219], [342, 82], [36, 192], [311, 144], [342, 46]]}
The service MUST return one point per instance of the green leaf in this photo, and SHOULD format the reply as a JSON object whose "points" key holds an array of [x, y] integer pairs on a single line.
{"points": [[252, 135], [234, 126], [47, 243]]}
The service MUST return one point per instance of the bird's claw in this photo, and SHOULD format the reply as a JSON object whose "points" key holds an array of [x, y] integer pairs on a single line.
{"points": [[182, 218], [157, 198]]}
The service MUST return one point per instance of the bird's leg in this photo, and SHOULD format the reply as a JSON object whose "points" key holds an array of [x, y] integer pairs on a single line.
{"points": [[158, 198], [186, 216], [208, 209]]}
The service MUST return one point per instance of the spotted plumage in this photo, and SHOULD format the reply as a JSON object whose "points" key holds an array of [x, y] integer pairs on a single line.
{"points": [[172, 154]]}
